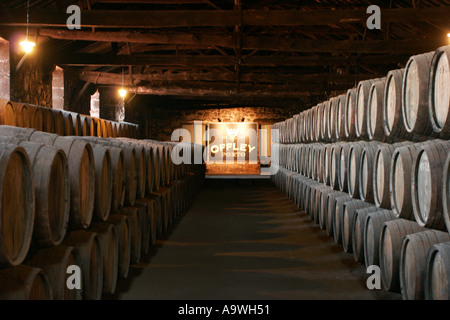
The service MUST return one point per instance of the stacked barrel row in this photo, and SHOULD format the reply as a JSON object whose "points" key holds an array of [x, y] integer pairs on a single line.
{"points": [[408, 104], [372, 169], [62, 122], [94, 203]]}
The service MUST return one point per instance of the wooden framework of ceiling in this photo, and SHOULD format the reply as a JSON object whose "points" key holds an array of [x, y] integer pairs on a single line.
{"points": [[261, 52]]}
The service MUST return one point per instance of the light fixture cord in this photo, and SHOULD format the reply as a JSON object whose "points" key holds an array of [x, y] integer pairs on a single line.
{"points": [[28, 15]]}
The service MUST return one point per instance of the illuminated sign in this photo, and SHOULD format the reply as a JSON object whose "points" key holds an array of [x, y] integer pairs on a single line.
{"points": [[232, 142]]}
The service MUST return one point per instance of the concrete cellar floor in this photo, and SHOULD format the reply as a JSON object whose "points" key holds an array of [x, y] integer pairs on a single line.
{"points": [[244, 239]]}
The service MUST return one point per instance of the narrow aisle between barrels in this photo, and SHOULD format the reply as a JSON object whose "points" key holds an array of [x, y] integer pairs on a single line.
{"points": [[243, 239]]}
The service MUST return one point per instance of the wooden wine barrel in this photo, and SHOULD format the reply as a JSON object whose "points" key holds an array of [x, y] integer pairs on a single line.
{"points": [[415, 95], [58, 120], [315, 197], [437, 272], [121, 130], [372, 231], [340, 118], [326, 165], [150, 168], [151, 217], [103, 128], [24, 283], [392, 234], [82, 179], [144, 223], [119, 178], [18, 204], [366, 169], [96, 127], [393, 125], [22, 116], [375, 124], [18, 110], [382, 174], [353, 167], [301, 127], [325, 133], [85, 129], [52, 192], [439, 93], [77, 125], [323, 207], [343, 166], [162, 165], [135, 229], [55, 261], [109, 129], [109, 247], [427, 184], [337, 215], [362, 107], [68, 123], [307, 124], [308, 185], [36, 117], [157, 199], [48, 120], [413, 255], [131, 169], [114, 129], [316, 128], [349, 112], [123, 234], [332, 118], [7, 114], [141, 162], [175, 187], [168, 163], [334, 165], [315, 123], [90, 262], [357, 232], [301, 187], [400, 181], [446, 192], [295, 131], [349, 209], [103, 183], [331, 206], [163, 209], [166, 210]]}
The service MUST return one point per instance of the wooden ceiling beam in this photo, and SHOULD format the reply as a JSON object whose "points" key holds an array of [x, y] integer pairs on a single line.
{"points": [[211, 60], [204, 93], [217, 18], [105, 78], [254, 42]]}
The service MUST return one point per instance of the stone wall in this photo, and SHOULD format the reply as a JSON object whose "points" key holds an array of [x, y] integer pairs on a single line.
{"points": [[162, 120], [32, 84]]}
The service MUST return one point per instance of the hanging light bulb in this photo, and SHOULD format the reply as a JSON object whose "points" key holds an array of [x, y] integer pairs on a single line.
{"points": [[26, 45], [122, 91]]}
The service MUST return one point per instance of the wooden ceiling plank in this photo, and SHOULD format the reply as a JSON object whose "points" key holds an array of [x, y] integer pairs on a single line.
{"points": [[218, 18]]}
